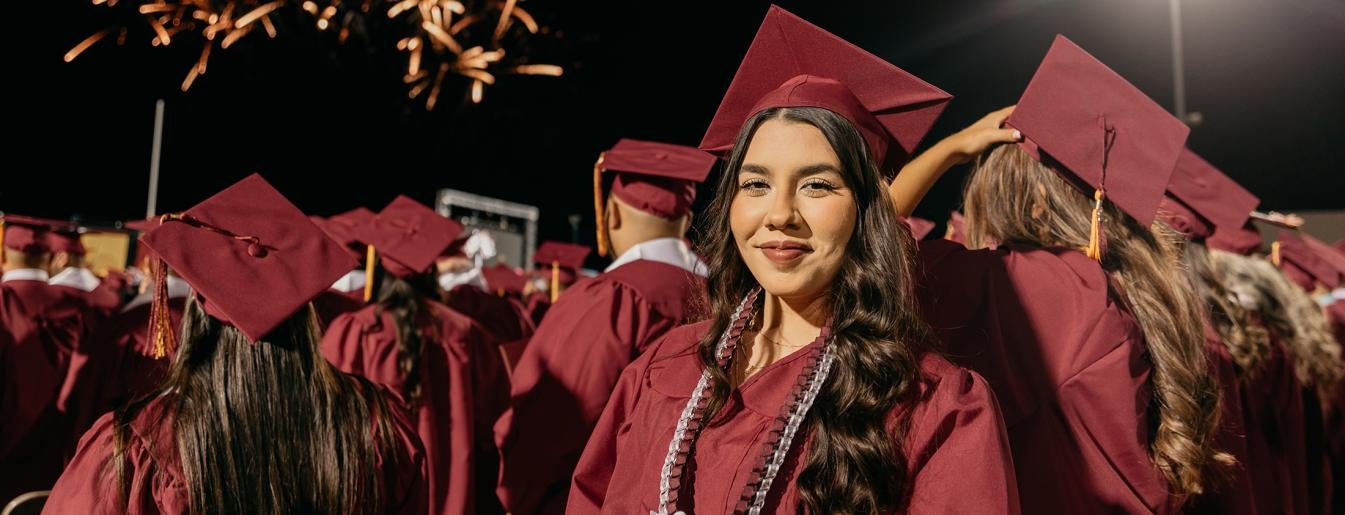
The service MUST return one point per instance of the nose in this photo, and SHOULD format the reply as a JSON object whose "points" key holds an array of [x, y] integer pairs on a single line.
{"points": [[783, 213]]}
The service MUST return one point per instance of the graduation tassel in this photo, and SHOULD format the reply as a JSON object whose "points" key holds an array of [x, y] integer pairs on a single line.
{"points": [[369, 256], [160, 322], [1275, 253], [555, 281], [2, 238], [598, 206], [1094, 249]]}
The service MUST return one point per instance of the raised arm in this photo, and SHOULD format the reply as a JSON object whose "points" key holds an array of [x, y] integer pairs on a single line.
{"points": [[920, 174]]}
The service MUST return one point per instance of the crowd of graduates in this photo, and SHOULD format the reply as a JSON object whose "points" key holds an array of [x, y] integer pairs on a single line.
{"points": [[1112, 327]]}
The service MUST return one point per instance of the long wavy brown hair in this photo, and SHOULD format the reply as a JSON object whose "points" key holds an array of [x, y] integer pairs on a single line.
{"points": [[267, 427], [855, 462], [1291, 316], [1013, 198], [1247, 341], [404, 299]]}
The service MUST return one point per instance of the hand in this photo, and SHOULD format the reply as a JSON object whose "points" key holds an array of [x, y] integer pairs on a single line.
{"points": [[973, 140]]}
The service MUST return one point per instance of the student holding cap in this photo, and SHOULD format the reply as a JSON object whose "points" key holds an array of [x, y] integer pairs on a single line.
{"points": [[446, 366], [1095, 350], [643, 195], [812, 387], [251, 419]]}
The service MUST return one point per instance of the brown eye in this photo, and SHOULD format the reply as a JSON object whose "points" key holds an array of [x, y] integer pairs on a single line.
{"points": [[754, 186]]}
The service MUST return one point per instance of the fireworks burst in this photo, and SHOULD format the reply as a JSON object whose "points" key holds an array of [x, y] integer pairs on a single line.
{"points": [[465, 38]]}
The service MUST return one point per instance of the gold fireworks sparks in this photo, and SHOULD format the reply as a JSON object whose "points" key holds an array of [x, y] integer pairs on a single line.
{"points": [[468, 42], [440, 38]]}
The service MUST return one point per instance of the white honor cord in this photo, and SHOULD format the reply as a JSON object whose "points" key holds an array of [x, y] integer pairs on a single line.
{"points": [[791, 428]]}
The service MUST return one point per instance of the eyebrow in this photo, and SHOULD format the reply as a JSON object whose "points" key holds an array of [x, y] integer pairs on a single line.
{"points": [[813, 169]]}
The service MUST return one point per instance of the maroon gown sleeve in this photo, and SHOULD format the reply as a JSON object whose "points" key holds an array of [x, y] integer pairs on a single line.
{"points": [[588, 487], [958, 451], [87, 486], [561, 385], [342, 345]]}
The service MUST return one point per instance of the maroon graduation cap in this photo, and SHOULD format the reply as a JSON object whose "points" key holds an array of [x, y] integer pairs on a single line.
{"points": [[344, 228], [1089, 124], [409, 236], [1301, 263], [657, 178], [66, 240], [562, 260], [793, 63], [504, 279], [251, 256], [28, 234]]}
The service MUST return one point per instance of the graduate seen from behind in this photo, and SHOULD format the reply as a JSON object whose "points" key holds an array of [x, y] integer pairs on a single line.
{"points": [[1070, 297], [644, 191], [813, 387], [250, 419], [446, 366]]}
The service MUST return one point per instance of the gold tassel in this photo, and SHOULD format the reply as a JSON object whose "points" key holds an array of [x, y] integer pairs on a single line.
{"points": [[598, 206], [1275, 253], [1094, 249], [2, 240], [369, 256], [160, 320], [555, 280]]}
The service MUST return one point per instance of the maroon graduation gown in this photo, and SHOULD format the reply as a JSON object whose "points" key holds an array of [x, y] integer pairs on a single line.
{"points": [[957, 454], [1233, 492], [42, 328], [332, 303], [504, 318], [571, 366], [116, 365], [157, 485], [464, 390], [1067, 363], [1277, 436]]}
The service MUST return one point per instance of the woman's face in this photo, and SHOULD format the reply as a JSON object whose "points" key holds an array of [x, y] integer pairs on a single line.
{"points": [[793, 213]]}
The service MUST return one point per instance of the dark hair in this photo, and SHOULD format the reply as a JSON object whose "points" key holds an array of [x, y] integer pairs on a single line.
{"points": [[855, 463], [405, 300], [269, 427], [1013, 198]]}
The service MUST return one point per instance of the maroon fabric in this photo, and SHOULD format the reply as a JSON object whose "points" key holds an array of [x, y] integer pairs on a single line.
{"points": [[116, 365], [29, 234], [1100, 129], [331, 303], [1299, 258], [568, 257], [1183, 220], [157, 485], [957, 455], [65, 241], [464, 390], [1207, 191], [571, 366], [409, 236], [502, 317], [1332, 256], [504, 279], [657, 178], [344, 228], [793, 63], [1243, 241], [251, 255], [1277, 435], [41, 329], [1068, 364], [1233, 492]]}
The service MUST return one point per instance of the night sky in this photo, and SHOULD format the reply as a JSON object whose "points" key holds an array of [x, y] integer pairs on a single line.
{"points": [[331, 127]]}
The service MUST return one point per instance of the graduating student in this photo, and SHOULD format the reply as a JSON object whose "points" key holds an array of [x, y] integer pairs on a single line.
{"points": [[446, 366], [251, 419], [1201, 198], [644, 191], [1082, 319], [812, 387], [557, 266]]}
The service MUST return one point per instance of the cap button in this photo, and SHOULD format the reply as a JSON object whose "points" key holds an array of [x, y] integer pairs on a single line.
{"points": [[257, 250]]}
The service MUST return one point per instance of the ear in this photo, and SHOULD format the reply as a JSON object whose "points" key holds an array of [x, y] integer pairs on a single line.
{"points": [[613, 214]]}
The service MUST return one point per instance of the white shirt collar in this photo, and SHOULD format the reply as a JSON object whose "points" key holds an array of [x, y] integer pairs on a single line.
{"points": [[79, 278], [671, 251], [24, 274], [352, 281], [177, 289]]}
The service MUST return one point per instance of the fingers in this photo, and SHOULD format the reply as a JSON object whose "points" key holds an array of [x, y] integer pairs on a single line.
{"points": [[995, 119]]}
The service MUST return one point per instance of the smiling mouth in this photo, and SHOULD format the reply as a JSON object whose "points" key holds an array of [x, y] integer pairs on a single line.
{"points": [[784, 252]]}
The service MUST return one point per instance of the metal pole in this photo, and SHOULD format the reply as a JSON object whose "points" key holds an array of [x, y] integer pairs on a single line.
{"points": [[151, 205], [1178, 67]]}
